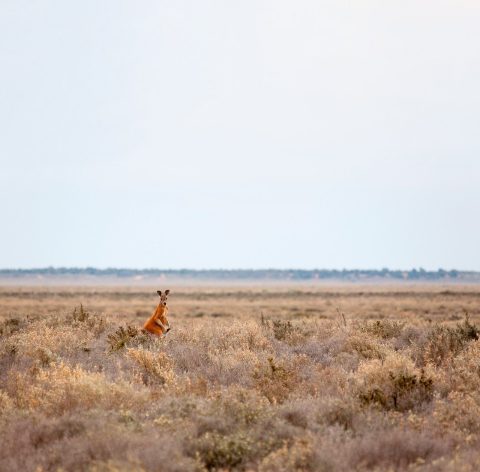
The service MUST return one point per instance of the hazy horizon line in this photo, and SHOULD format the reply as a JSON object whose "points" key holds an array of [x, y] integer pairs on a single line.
{"points": [[235, 269]]}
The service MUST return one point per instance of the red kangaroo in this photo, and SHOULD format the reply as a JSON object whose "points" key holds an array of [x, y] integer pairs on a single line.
{"points": [[158, 323]]}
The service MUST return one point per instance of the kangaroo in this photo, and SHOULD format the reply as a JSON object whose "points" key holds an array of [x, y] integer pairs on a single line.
{"points": [[158, 323]]}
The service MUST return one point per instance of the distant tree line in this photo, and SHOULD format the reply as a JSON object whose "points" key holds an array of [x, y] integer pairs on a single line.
{"points": [[252, 274]]}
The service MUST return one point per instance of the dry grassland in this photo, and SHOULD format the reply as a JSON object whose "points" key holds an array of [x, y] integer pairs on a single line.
{"points": [[275, 378]]}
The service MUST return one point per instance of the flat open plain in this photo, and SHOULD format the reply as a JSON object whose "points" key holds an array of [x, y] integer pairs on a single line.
{"points": [[413, 302]]}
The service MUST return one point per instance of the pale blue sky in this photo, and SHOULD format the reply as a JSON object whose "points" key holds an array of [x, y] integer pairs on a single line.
{"points": [[240, 133]]}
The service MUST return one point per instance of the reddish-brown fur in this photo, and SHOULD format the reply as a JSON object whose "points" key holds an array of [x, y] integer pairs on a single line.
{"points": [[158, 323]]}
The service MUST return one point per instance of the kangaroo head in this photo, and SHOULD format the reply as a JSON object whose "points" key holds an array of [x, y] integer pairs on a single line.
{"points": [[163, 297]]}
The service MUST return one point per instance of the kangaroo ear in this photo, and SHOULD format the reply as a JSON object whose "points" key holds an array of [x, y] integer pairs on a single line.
{"points": [[167, 292], [159, 293]]}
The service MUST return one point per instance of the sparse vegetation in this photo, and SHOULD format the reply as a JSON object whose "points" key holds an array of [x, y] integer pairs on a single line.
{"points": [[83, 391]]}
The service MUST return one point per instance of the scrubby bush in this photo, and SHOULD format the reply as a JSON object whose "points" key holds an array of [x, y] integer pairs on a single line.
{"points": [[41, 342], [366, 346], [298, 456], [124, 336], [93, 322], [459, 412], [155, 368], [395, 449], [462, 373], [444, 342], [338, 411], [468, 330], [394, 384], [218, 451], [384, 329], [282, 329], [62, 388], [10, 325], [275, 380]]}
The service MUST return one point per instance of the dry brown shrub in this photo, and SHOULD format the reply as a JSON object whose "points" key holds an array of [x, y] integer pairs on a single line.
{"points": [[282, 330], [113, 465], [222, 336], [366, 346], [443, 343], [459, 412], [290, 332], [6, 403], [40, 341], [384, 329], [223, 452], [276, 380], [232, 367], [458, 461], [62, 388], [129, 336], [462, 373], [338, 411], [394, 449], [154, 368], [11, 325], [394, 383], [40, 436], [82, 318], [85, 441], [300, 455], [197, 385], [244, 406], [322, 351]]}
